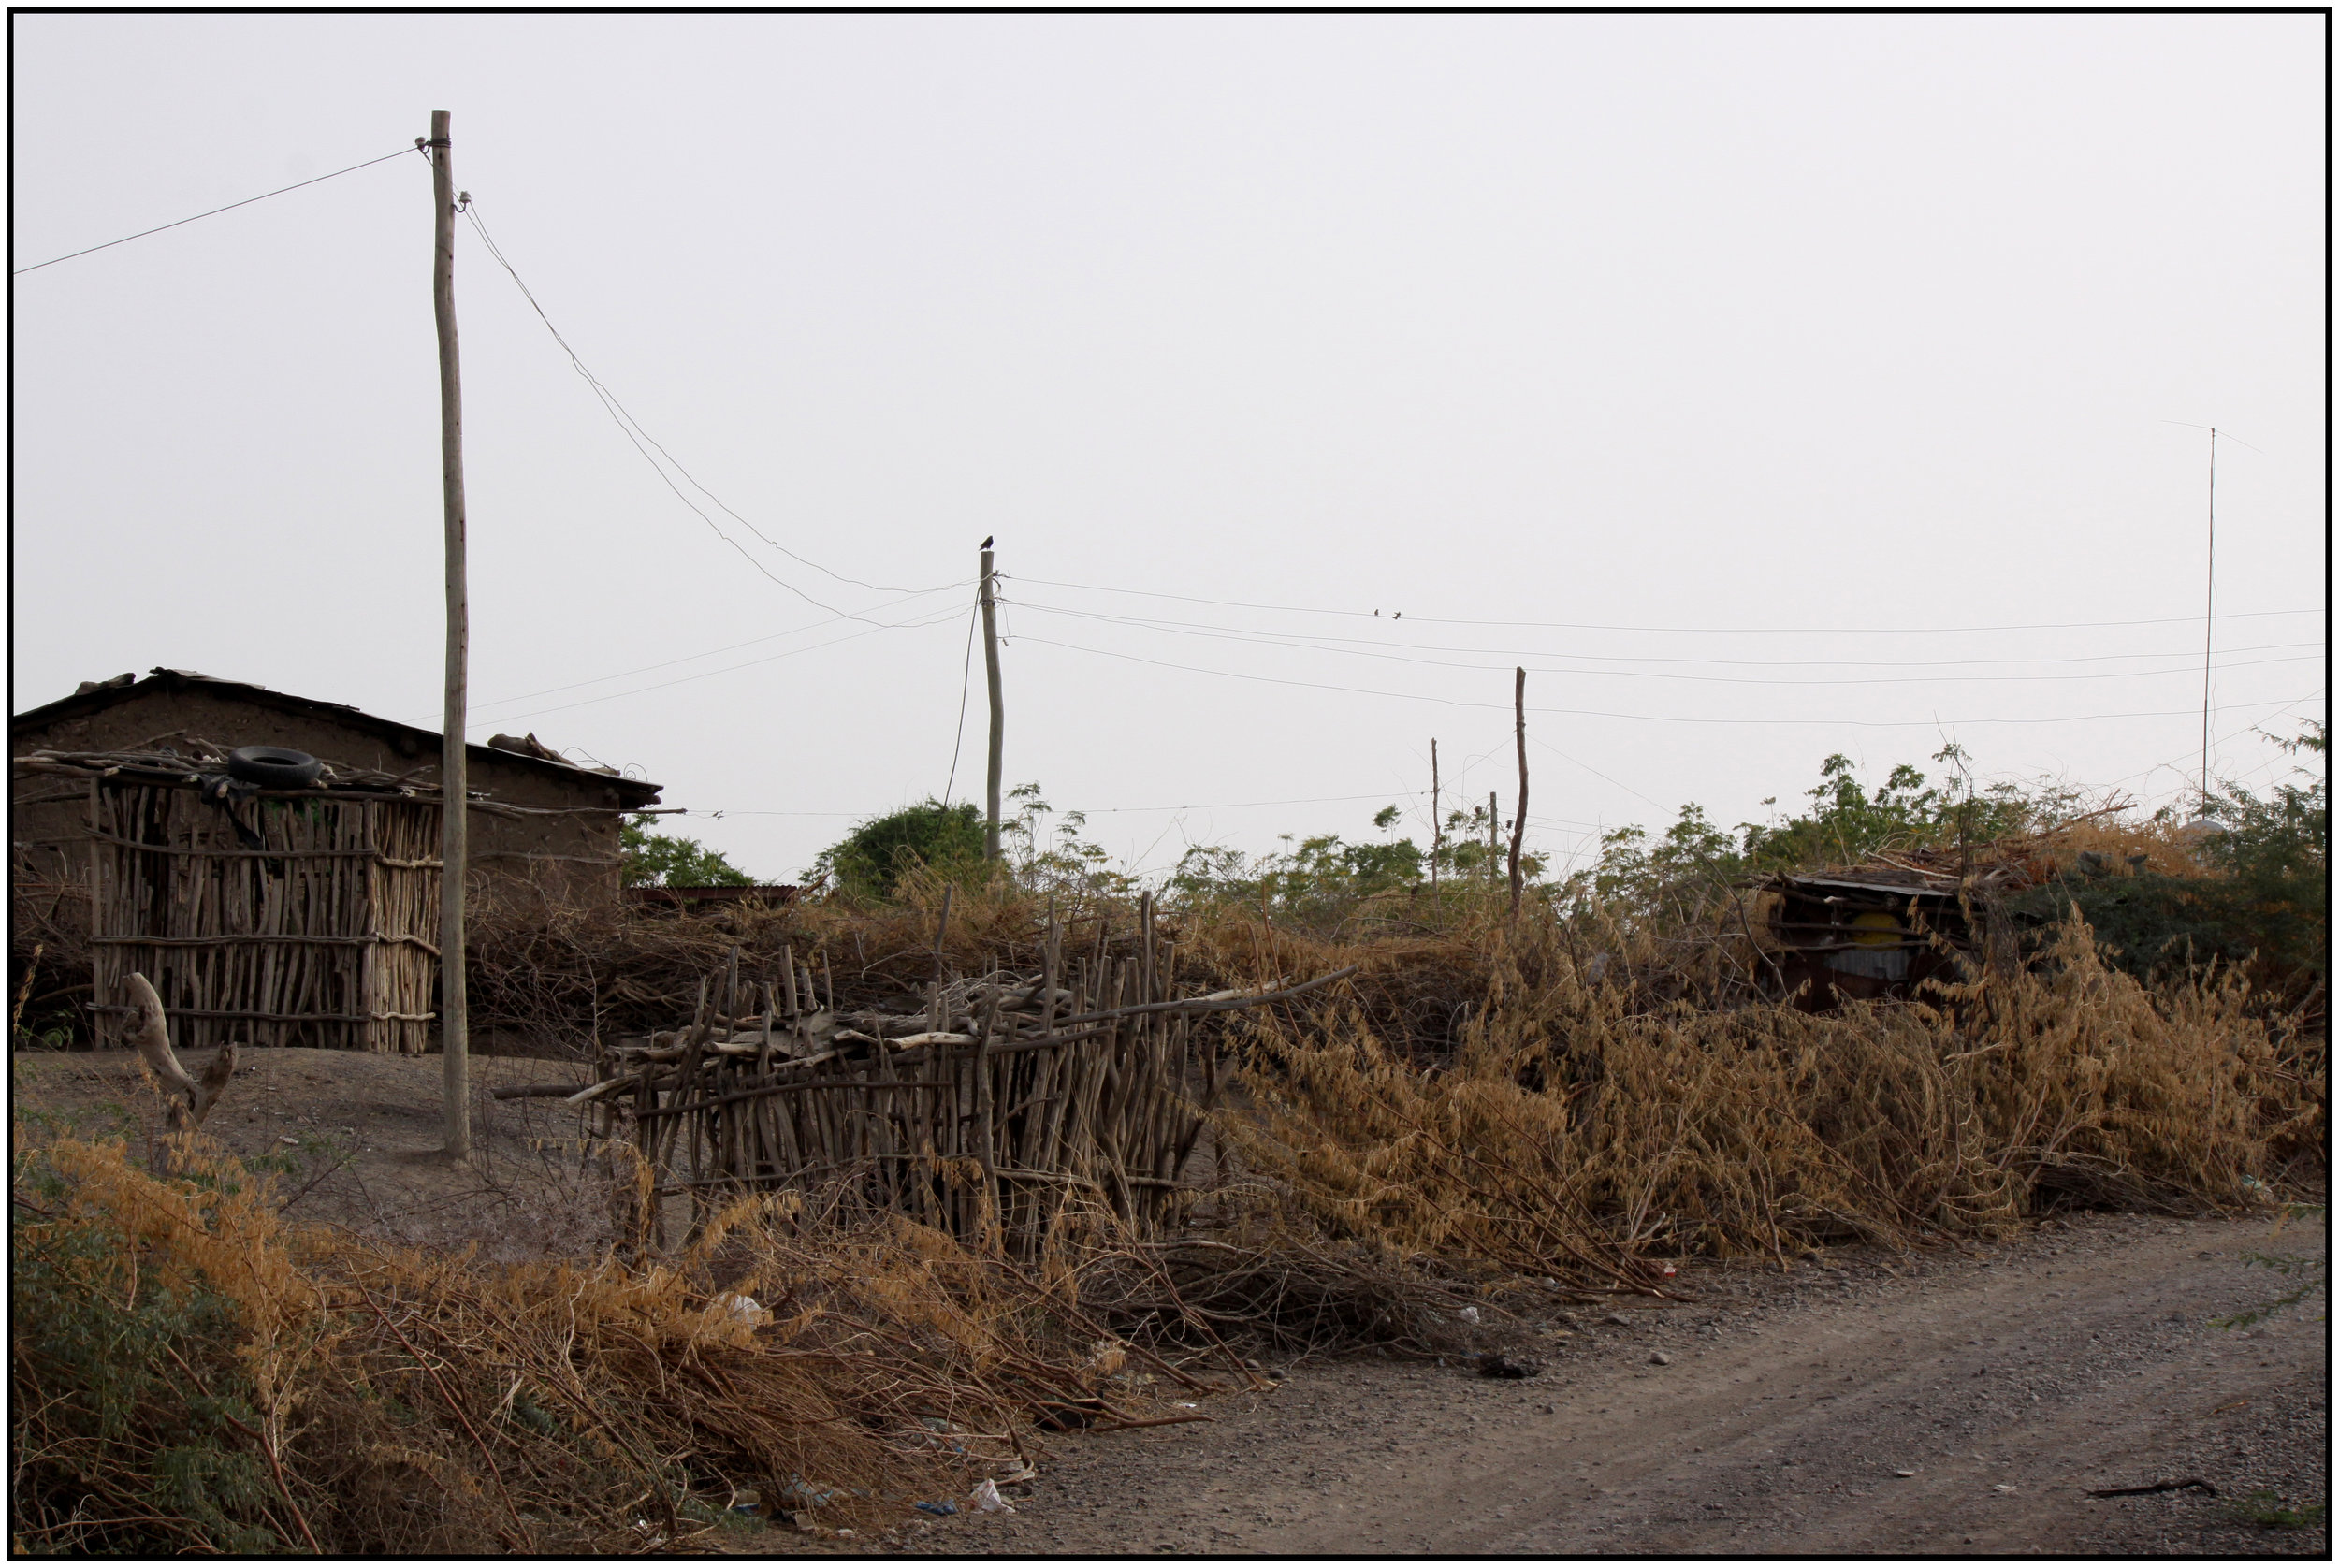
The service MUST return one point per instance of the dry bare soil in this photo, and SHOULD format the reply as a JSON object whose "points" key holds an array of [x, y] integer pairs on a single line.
{"points": [[1952, 1406], [1942, 1403], [359, 1142]]}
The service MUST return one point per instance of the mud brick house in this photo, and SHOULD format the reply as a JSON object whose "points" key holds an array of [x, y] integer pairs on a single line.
{"points": [[564, 849]]}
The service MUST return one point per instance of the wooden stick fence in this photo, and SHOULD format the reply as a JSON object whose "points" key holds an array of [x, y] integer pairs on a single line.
{"points": [[1004, 1099], [320, 936], [262, 916], [269, 917]]}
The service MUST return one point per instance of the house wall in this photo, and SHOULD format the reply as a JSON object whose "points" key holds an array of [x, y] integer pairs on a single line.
{"points": [[571, 858]]}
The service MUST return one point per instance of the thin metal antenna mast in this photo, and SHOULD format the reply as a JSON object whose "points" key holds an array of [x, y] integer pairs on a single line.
{"points": [[2209, 617]]}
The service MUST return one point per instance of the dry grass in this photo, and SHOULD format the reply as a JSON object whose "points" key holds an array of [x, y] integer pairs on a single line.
{"points": [[562, 972], [359, 1399], [1473, 1119], [1580, 1130]]}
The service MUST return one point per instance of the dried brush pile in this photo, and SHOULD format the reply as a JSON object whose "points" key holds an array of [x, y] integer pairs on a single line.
{"points": [[1582, 1131], [564, 972], [49, 960], [192, 1375]]}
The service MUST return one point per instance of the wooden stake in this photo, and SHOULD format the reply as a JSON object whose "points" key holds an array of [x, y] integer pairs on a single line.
{"points": [[454, 775], [998, 716], [1494, 827], [1437, 828], [1519, 825], [942, 925]]}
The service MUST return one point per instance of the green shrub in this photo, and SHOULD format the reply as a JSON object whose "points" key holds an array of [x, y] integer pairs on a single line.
{"points": [[870, 860], [129, 1402], [648, 858]]}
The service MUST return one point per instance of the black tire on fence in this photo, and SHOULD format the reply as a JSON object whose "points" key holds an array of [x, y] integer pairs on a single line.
{"points": [[273, 767]]}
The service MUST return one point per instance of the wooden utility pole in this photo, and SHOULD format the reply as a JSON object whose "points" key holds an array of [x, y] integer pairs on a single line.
{"points": [[998, 715], [454, 772], [1437, 828], [1519, 825]]}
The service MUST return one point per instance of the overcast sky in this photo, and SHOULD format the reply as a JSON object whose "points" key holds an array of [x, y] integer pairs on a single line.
{"points": [[1769, 386]]}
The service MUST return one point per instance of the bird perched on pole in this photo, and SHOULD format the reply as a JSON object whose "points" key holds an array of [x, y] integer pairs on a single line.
{"points": [[986, 540]]}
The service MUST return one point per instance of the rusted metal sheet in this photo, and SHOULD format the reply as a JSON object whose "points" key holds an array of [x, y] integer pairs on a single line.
{"points": [[1847, 938]]}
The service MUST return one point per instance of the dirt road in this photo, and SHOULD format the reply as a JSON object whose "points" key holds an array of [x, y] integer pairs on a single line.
{"points": [[1957, 1405]]}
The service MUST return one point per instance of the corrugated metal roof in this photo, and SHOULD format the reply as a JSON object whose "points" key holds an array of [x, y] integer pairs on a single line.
{"points": [[1896, 890]]}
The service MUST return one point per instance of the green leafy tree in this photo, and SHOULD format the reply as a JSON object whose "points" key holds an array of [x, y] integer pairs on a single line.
{"points": [[869, 862], [1847, 822], [648, 858], [2266, 908], [1464, 852], [1318, 880], [1676, 876], [1055, 859], [2277, 849]]}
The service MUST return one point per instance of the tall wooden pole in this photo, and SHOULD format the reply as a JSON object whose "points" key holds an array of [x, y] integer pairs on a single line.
{"points": [[998, 716], [454, 772], [1437, 828], [1518, 824]]}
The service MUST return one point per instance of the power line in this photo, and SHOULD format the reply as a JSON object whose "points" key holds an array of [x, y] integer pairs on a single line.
{"points": [[1280, 640], [1598, 713], [1314, 640], [637, 433], [1118, 810], [1732, 630], [1232, 805], [687, 657], [1594, 771], [965, 678], [2256, 725], [216, 210], [746, 665]]}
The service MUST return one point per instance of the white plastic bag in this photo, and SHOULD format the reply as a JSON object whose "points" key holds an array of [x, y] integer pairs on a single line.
{"points": [[988, 1500], [747, 1309]]}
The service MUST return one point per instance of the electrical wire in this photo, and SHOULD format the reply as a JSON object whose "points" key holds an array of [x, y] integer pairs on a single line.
{"points": [[1312, 640], [1234, 805], [2192, 752], [746, 665], [215, 211], [1599, 713], [965, 682], [1272, 640], [687, 657], [1594, 771], [1692, 630], [637, 433]]}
